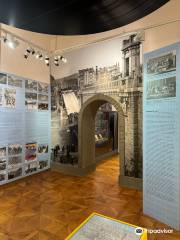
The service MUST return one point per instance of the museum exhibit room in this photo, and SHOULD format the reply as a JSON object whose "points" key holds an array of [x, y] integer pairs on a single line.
{"points": [[90, 120]]}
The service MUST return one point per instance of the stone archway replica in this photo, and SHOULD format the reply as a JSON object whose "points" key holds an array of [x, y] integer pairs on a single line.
{"points": [[86, 132]]}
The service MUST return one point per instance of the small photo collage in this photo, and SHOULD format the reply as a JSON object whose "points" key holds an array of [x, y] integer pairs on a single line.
{"points": [[36, 95], [14, 160], [32, 150], [11, 159]]}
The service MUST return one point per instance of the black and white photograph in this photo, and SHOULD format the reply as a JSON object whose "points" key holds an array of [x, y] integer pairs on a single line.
{"points": [[2, 164], [162, 88], [14, 160], [31, 96], [43, 164], [2, 177], [42, 148], [1, 97], [2, 151], [12, 81], [31, 151], [31, 85], [31, 105], [3, 78], [43, 87], [162, 64], [31, 167], [14, 173], [14, 149], [43, 98], [9, 98], [43, 106]]}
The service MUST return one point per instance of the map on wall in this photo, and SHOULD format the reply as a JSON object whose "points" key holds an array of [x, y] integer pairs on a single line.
{"points": [[24, 127]]}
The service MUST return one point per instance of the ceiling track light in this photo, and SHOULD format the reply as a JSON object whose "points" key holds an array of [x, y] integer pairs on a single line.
{"points": [[27, 52], [47, 60], [39, 55], [59, 58], [33, 51], [13, 41], [62, 58]]}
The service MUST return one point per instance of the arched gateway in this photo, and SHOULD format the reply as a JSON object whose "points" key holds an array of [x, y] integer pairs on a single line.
{"points": [[86, 131]]}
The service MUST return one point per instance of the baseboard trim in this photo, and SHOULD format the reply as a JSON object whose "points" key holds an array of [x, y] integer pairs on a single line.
{"points": [[130, 182], [106, 155], [124, 181], [72, 170]]}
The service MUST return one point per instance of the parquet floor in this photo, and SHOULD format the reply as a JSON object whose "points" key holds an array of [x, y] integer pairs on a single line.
{"points": [[49, 205]]}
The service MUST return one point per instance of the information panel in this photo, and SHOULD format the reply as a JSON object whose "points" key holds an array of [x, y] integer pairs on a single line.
{"points": [[161, 144], [24, 127]]}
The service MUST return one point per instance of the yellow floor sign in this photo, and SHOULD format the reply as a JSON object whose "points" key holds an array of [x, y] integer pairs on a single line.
{"points": [[100, 227]]}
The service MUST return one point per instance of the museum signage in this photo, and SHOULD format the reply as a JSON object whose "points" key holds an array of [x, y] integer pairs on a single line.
{"points": [[161, 136], [24, 127]]}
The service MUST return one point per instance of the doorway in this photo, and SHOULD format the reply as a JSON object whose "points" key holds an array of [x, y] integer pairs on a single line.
{"points": [[106, 137], [86, 131]]}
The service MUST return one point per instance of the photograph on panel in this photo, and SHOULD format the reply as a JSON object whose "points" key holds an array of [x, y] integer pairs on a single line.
{"points": [[162, 64], [15, 172], [43, 98], [31, 85], [2, 164], [1, 97], [9, 98], [42, 148], [31, 151], [43, 87], [2, 177], [43, 106], [31, 96], [31, 167], [31, 105], [2, 151], [3, 78], [43, 164], [14, 149], [12, 81], [12, 161], [161, 88]]}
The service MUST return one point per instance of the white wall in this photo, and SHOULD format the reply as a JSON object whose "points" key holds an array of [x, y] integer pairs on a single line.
{"points": [[108, 53], [13, 61]]}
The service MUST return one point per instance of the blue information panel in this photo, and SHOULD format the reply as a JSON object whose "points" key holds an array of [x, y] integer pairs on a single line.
{"points": [[161, 129], [24, 127]]}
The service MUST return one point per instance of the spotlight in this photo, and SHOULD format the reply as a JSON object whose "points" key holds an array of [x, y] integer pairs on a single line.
{"points": [[57, 64], [33, 51], [47, 60], [39, 56], [56, 61], [28, 51], [63, 59]]}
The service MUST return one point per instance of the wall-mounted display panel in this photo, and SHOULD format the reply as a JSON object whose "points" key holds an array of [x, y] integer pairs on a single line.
{"points": [[161, 130], [24, 127]]}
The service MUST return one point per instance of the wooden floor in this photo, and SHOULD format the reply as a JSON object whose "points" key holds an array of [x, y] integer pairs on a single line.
{"points": [[49, 205]]}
